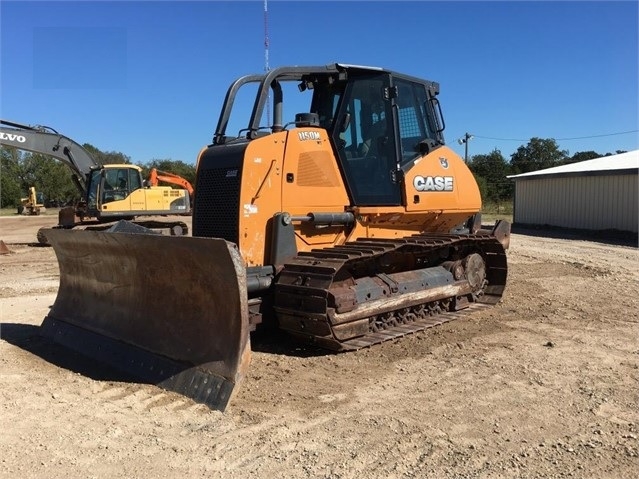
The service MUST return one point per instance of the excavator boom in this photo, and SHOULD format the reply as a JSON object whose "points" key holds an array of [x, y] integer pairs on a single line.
{"points": [[45, 140], [155, 176]]}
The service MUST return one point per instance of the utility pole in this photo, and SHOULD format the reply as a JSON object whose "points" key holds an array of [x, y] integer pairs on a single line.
{"points": [[464, 141], [266, 65]]}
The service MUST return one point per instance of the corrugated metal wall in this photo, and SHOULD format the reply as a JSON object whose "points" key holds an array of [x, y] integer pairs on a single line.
{"points": [[584, 202]]}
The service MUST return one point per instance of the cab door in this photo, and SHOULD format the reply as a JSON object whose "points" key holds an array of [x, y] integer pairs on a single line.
{"points": [[117, 187], [367, 147]]}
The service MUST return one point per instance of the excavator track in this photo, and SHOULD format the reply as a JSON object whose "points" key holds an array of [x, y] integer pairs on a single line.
{"points": [[371, 290], [171, 228]]}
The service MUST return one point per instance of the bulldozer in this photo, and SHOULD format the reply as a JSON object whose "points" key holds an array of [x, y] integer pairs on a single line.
{"points": [[347, 226], [108, 193]]}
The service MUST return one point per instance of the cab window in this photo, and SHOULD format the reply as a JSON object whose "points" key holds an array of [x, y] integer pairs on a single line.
{"points": [[366, 146], [116, 184], [414, 126]]}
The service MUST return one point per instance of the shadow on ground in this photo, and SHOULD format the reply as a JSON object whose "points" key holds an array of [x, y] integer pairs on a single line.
{"points": [[27, 337], [271, 340], [611, 237]]}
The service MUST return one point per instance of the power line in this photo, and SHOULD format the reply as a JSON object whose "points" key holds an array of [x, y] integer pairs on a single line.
{"points": [[559, 139]]}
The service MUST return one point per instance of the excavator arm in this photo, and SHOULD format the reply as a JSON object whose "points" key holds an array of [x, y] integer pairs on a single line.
{"points": [[156, 176], [47, 141]]}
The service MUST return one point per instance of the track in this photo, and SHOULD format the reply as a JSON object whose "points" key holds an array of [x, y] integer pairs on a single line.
{"points": [[370, 291]]}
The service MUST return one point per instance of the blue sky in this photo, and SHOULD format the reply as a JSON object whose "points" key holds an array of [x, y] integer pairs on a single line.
{"points": [[148, 78]]}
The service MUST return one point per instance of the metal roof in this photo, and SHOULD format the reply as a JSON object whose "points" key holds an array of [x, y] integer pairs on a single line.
{"points": [[606, 164]]}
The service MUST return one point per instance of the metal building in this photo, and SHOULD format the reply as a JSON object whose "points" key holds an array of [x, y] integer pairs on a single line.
{"points": [[599, 194]]}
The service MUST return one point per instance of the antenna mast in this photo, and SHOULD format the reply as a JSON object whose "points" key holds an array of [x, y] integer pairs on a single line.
{"points": [[266, 66]]}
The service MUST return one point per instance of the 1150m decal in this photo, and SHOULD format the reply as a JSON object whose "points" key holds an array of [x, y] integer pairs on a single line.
{"points": [[309, 135], [433, 183]]}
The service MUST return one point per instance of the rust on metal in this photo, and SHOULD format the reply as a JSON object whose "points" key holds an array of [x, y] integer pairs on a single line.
{"points": [[370, 291]]}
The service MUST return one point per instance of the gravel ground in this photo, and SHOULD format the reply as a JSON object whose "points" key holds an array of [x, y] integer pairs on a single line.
{"points": [[542, 385]]}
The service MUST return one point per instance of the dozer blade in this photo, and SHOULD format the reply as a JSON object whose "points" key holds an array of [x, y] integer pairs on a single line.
{"points": [[172, 311]]}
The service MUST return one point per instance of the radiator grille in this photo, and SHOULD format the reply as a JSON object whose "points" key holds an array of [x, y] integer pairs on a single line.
{"points": [[216, 211]]}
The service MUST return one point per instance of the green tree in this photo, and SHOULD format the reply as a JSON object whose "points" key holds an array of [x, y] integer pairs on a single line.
{"points": [[538, 154], [582, 156], [483, 188], [492, 169], [106, 157], [47, 175], [53, 179], [9, 180], [618, 152]]}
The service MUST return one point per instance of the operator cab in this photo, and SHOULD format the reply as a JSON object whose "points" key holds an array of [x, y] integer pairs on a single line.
{"points": [[379, 121], [111, 183]]}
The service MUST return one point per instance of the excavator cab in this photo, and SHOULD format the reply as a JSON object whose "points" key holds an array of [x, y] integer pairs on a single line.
{"points": [[109, 183], [114, 183]]}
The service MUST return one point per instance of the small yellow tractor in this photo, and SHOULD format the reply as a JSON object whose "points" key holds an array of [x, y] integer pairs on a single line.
{"points": [[33, 204]]}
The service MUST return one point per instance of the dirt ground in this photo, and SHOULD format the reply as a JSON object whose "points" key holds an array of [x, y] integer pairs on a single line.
{"points": [[542, 385]]}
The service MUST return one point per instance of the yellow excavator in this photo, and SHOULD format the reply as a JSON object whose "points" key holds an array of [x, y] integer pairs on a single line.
{"points": [[350, 225], [109, 193]]}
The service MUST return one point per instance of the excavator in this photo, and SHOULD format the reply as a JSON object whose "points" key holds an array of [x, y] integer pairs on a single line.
{"points": [[347, 226], [109, 193], [156, 176]]}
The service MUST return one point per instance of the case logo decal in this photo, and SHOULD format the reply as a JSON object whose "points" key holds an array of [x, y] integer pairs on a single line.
{"points": [[433, 183]]}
